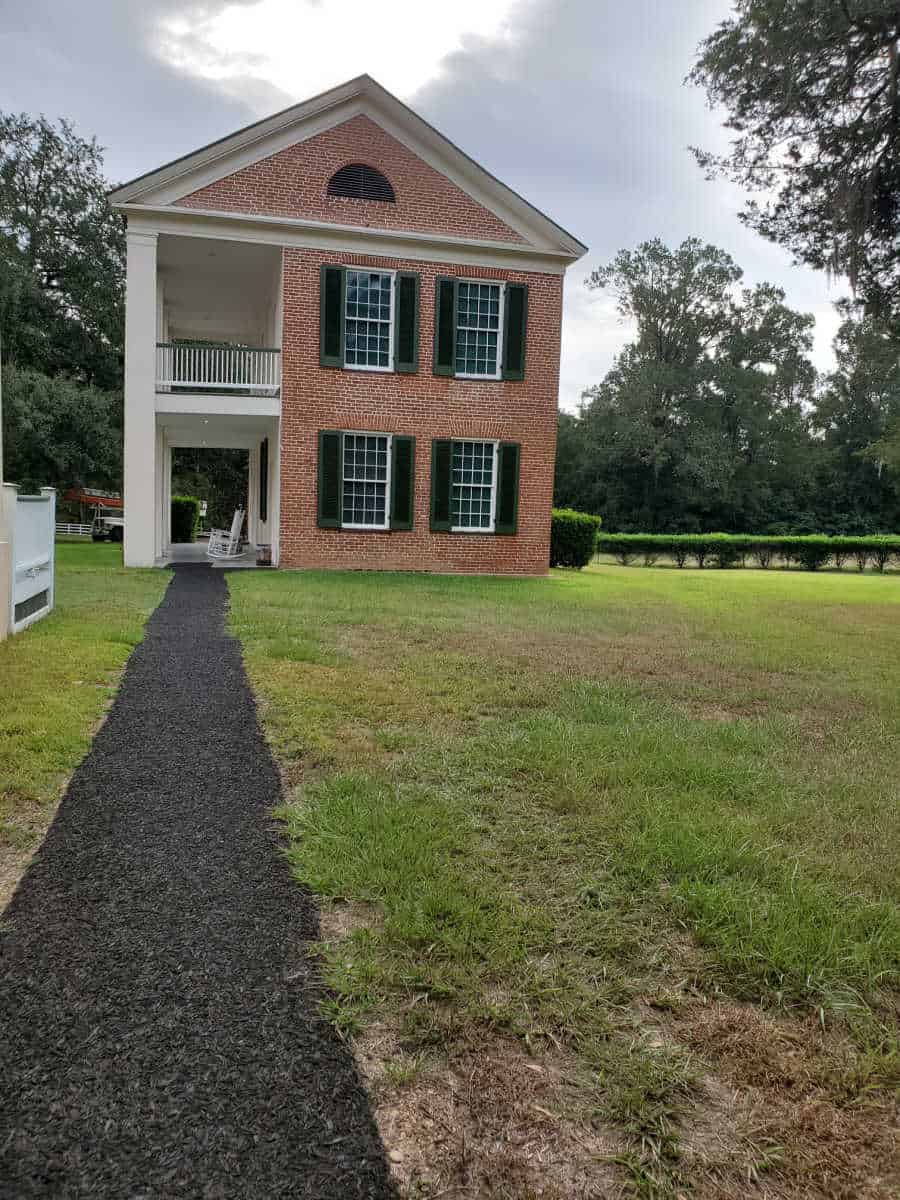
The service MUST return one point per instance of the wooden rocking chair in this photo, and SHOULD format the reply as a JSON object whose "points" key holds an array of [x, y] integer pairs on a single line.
{"points": [[225, 543]]}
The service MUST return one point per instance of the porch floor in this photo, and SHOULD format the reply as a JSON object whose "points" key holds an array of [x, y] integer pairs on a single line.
{"points": [[195, 552]]}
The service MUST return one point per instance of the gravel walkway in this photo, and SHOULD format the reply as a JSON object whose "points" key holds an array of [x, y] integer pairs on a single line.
{"points": [[159, 1034]]}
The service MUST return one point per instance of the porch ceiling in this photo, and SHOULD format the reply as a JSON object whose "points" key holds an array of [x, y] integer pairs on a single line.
{"points": [[215, 430], [216, 288]]}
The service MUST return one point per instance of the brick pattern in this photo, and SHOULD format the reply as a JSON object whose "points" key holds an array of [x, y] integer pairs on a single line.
{"points": [[425, 406], [293, 183]]}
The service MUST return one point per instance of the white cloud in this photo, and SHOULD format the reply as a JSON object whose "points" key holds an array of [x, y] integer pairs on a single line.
{"points": [[304, 48]]}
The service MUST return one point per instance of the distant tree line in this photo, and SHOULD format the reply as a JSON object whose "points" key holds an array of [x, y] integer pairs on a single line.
{"points": [[713, 417]]}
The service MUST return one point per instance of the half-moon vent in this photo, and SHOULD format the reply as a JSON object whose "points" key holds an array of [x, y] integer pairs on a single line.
{"points": [[356, 181]]}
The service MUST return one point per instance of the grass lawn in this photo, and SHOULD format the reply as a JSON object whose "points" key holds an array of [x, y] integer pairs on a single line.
{"points": [[58, 678], [611, 860]]}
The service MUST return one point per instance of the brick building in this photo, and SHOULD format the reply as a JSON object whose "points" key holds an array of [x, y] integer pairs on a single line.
{"points": [[343, 293]]}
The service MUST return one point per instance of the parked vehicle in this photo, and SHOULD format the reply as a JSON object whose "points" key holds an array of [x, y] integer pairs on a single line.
{"points": [[108, 524]]}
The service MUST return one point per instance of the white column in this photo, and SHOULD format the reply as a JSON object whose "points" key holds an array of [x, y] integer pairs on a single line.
{"points": [[140, 401], [253, 496]]}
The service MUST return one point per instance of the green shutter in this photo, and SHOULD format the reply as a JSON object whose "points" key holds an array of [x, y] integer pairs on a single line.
{"points": [[515, 322], [331, 316], [441, 465], [507, 487], [406, 324], [445, 291], [403, 475], [264, 480], [331, 458]]}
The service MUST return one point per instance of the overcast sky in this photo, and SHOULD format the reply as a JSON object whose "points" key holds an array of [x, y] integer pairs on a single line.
{"points": [[577, 104]]}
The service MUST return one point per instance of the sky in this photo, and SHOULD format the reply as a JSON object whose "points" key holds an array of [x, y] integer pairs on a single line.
{"points": [[579, 105]]}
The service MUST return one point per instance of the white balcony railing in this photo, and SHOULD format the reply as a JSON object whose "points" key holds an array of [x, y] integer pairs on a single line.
{"points": [[213, 367]]}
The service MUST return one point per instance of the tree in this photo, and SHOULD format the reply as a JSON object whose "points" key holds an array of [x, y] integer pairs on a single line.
{"points": [[61, 254], [811, 91], [701, 422], [858, 416], [60, 432]]}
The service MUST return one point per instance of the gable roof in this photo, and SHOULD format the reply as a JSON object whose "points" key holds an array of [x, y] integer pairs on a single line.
{"points": [[167, 184]]}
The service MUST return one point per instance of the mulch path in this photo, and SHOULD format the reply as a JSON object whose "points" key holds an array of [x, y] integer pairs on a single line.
{"points": [[159, 1027]]}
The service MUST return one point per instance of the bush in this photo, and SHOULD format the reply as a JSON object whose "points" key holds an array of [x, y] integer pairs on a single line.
{"points": [[811, 551], [185, 518], [573, 538]]}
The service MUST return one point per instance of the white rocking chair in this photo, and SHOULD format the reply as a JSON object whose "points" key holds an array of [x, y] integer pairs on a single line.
{"points": [[225, 543]]}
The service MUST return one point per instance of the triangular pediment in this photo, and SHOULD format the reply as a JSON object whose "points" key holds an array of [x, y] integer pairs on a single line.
{"points": [[280, 167]]}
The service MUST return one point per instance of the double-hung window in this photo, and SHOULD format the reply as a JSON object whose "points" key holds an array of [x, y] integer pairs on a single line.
{"points": [[366, 480], [480, 328], [473, 486], [479, 320], [368, 320]]}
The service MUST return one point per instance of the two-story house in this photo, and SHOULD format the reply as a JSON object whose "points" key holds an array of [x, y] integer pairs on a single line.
{"points": [[373, 316]]}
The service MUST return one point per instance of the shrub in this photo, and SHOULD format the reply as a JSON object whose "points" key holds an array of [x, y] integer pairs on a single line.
{"points": [[881, 550], [185, 518], [810, 552], [762, 552], [573, 538]]}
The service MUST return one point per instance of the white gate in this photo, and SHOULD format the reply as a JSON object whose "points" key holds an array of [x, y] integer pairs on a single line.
{"points": [[30, 522]]}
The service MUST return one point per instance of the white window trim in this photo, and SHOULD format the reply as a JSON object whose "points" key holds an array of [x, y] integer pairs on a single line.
{"points": [[366, 366], [481, 441], [498, 374], [387, 482]]}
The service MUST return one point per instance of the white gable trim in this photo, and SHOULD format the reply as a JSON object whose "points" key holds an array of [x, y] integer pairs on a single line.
{"points": [[359, 239], [359, 96]]}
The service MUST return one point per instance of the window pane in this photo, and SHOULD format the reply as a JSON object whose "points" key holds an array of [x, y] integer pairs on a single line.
{"points": [[478, 329], [365, 479], [472, 485], [368, 319]]}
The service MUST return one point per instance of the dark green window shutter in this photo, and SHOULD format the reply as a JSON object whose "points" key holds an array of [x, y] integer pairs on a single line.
{"points": [[507, 487], [331, 461], [515, 322], [406, 324], [403, 475], [331, 316], [264, 480], [441, 467], [445, 291]]}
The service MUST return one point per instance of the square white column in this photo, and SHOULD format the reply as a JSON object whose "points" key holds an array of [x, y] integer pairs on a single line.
{"points": [[141, 484]]}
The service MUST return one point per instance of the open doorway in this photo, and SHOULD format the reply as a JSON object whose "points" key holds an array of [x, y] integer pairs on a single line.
{"points": [[219, 479]]}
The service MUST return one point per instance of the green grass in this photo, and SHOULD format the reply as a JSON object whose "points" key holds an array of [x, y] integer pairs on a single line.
{"points": [[58, 677], [566, 795]]}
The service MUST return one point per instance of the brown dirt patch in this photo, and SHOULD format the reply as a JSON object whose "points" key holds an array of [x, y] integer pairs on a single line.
{"points": [[23, 822], [785, 1113], [486, 1120], [339, 920]]}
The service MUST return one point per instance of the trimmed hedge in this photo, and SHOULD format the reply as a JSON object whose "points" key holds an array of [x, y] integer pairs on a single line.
{"points": [[573, 538], [727, 550], [185, 518]]}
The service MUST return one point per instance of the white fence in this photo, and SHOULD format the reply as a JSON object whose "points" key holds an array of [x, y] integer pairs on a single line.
{"points": [[71, 529], [29, 522], [218, 368]]}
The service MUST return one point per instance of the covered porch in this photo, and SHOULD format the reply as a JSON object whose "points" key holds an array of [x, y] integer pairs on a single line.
{"points": [[259, 436]]}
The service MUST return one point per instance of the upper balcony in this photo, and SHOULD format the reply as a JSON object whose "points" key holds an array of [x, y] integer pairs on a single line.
{"points": [[218, 328], [218, 367]]}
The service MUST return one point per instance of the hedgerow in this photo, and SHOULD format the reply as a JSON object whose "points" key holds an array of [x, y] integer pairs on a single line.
{"points": [[726, 550]]}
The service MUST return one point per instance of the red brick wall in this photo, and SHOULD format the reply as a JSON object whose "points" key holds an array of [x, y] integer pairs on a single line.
{"points": [[293, 183], [426, 406]]}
